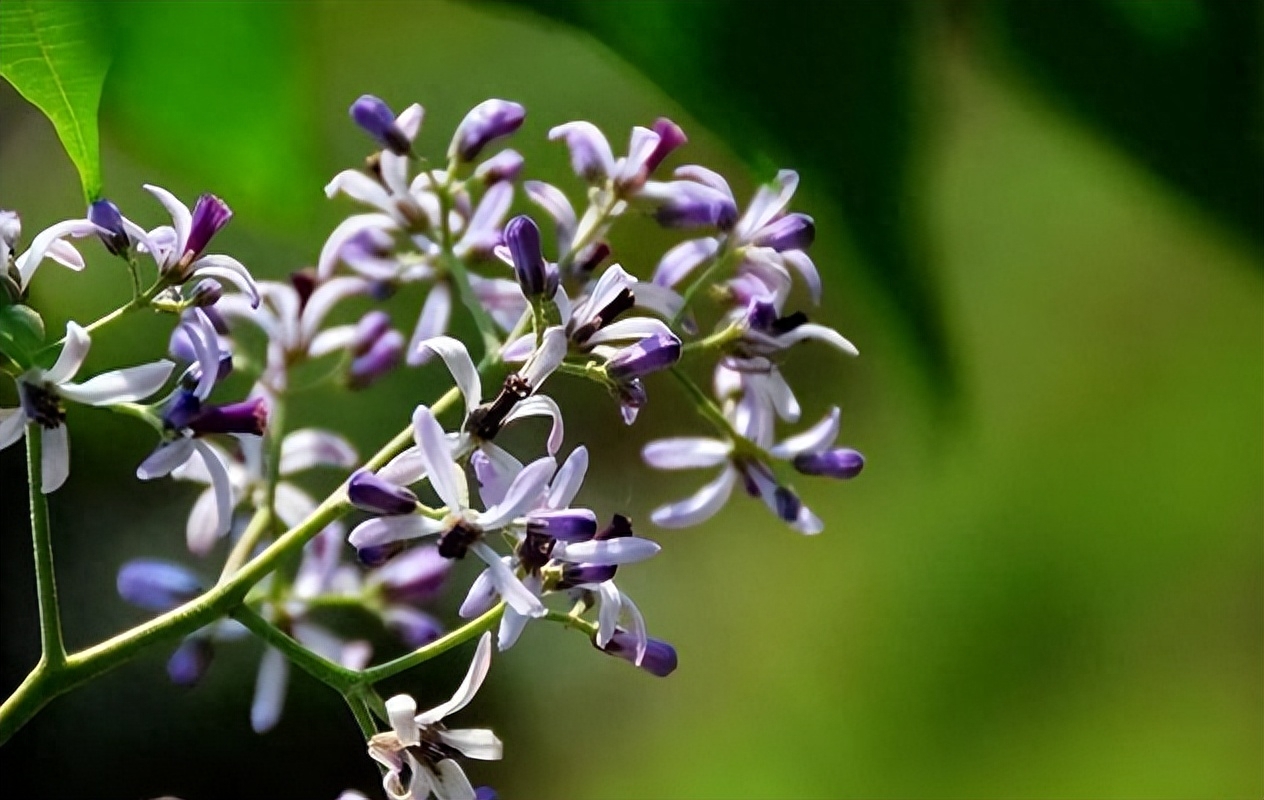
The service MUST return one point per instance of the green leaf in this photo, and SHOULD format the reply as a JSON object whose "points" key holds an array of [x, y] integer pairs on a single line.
{"points": [[826, 88], [1178, 84], [21, 334], [51, 53]]}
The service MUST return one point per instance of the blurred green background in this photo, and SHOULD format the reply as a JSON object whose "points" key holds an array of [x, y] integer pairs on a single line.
{"points": [[1040, 222]]}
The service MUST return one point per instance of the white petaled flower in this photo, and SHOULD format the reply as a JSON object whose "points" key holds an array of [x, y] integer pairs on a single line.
{"points": [[41, 393], [178, 248], [461, 528], [419, 752], [48, 243], [301, 450]]}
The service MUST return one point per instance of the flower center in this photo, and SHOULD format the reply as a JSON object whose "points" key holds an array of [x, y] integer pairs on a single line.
{"points": [[42, 404]]}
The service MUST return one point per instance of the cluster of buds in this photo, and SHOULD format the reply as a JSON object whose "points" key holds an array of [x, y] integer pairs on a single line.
{"points": [[439, 235]]}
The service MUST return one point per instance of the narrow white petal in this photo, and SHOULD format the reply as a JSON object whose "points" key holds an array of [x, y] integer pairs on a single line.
{"points": [[678, 262], [512, 625], [495, 468], [459, 363], [639, 633], [324, 299], [640, 147], [274, 674], [311, 447], [447, 478], [293, 505], [518, 350], [362, 188], [181, 218], [769, 201], [546, 358], [12, 426], [555, 204], [480, 598], [348, 229], [404, 469], [120, 386], [201, 532], [782, 396], [821, 334], [701, 506], [632, 328], [624, 550], [64, 253], [478, 743], [165, 457], [686, 452], [225, 268], [704, 176], [662, 300], [331, 340], [384, 530], [29, 261], [519, 597], [819, 437], [400, 710], [432, 322], [541, 406], [474, 677], [220, 483], [801, 263], [608, 613], [72, 354], [525, 492], [807, 522], [54, 458], [568, 479], [448, 781]]}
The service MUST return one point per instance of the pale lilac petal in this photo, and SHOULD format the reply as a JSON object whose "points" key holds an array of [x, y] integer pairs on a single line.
{"points": [[220, 483], [347, 230], [227, 268], [819, 437], [507, 584], [631, 328], [331, 340], [801, 262], [362, 188], [662, 300], [519, 349], [202, 337], [807, 522], [568, 479], [524, 493], [479, 666], [12, 426], [769, 201], [678, 262], [384, 530], [181, 218], [72, 354], [483, 231], [686, 452], [608, 552], [820, 333], [64, 253], [608, 613], [703, 505], [639, 633], [447, 478], [541, 406], [448, 781], [201, 532], [404, 469], [547, 358], [707, 177], [495, 470], [431, 323], [782, 396], [512, 625], [310, 447], [459, 363], [54, 458], [120, 386], [29, 261], [478, 743], [555, 204], [401, 711], [274, 674], [292, 504], [166, 457], [409, 120], [641, 146], [323, 300], [591, 157], [480, 598]]}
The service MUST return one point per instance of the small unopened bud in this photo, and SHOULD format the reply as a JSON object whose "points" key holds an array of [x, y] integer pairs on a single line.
{"points": [[190, 661], [383, 356], [575, 574], [378, 554], [651, 354], [486, 122], [376, 118], [368, 330], [248, 416], [157, 585], [565, 525], [841, 463], [685, 204], [537, 277], [210, 214], [670, 137], [105, 215], [375, 495], [791, 232], [659, 658]]}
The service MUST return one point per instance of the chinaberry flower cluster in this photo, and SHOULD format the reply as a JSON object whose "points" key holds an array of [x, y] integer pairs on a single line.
{"points": [[559, 304]]}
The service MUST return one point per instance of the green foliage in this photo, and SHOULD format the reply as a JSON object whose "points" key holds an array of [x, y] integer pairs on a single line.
{"points": [[51, 53], [21, 334]]}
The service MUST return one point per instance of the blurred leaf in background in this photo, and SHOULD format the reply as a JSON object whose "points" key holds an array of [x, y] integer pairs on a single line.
{"points": [[53, 55]]}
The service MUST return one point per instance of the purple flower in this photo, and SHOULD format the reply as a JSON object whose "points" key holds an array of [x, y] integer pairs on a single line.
{"points": [[658, 659], [41, 393], [109, 221], [652, 354], [157, 585], [486, 122], [376, 118]]}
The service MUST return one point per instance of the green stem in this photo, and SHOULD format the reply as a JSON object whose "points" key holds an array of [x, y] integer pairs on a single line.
{"points": [[719, 261], [572, 620], [705, 406], [135, 304], [322, 669], [53, 648], [259, 525], [363, 717], [439, 646]]}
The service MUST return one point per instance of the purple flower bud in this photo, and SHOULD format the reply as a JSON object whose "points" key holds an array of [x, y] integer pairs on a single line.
{"points": [[486, 122], [378, 554], [190, 661], [383, 356], [105, 215], [485, 793], [575, 574], [248, 416], [651, 354], [209, 215], [157, 585], [368, 330], [536, 276], [504, 166], [566, 525], [841, 463], [691, 205], [791, 232], [659, 659], [205, 293], [415, 628], [377, 119], [415, 577], [375, 495], [670, 137]]}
